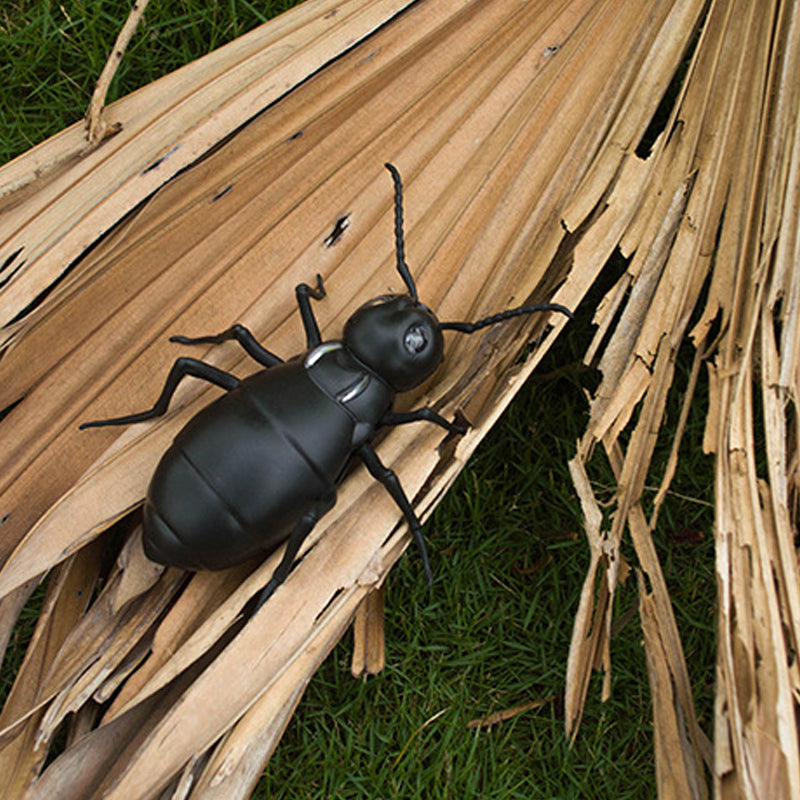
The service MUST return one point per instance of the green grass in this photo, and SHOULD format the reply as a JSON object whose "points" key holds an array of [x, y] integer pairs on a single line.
{"points": [[51, 54], [506, 543]]}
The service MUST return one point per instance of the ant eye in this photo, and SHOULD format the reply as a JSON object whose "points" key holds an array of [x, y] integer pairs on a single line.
{"points": [[415, 339]]}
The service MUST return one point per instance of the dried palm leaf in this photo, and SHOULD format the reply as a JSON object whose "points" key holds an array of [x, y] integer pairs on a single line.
{"points": [[505, 119], [727, 186]]}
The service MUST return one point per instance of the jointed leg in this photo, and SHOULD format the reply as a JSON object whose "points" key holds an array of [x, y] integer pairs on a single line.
{"points": [[303, 292], [422, 415], [240, 334], [180, 369], [392, 483], [298, 535]]}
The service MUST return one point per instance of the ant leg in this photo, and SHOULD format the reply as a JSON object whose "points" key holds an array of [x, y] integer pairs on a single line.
{"points": [[392, 483], [302, 528], [422, 415], [303, 292], [180, 369], [239, 334]]}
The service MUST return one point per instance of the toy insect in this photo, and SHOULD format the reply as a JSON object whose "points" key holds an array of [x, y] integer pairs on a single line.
{"points": [[261, 464]]}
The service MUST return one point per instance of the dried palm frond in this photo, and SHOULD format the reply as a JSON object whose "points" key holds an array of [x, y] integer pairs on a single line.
{"points": [[516, 127]]}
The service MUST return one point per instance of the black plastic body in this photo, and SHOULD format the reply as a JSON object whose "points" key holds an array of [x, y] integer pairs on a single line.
{"points": [[241, 473]]}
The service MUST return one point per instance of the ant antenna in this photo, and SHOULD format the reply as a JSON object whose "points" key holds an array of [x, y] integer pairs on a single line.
{"points": [[405, 273], [471, 327], [402, 267]]}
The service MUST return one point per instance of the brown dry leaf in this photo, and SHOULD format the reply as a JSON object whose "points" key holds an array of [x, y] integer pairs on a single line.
{"points": [[725, 111], [69, 593], [593, 612], [236, 262], [237, 762], [505, 118], [206, 598], [78, 772], [98, 645], [675, 752], [137, 572], [369, 651], [756, 746], [191, 110], [502, 113]]}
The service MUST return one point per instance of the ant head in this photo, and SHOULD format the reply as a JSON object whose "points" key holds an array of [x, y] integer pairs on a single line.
{"points": [[398, 338]]}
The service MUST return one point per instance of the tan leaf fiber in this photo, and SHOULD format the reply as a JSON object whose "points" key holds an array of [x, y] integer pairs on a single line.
{"points": [[505, 118], [69, 593], [231, 259], [744, 94], [165, 127], [756, 741], [369, 651], [497, 114]]}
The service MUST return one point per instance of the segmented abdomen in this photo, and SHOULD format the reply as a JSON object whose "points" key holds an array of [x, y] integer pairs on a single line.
{"points": [[242, 471]]}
